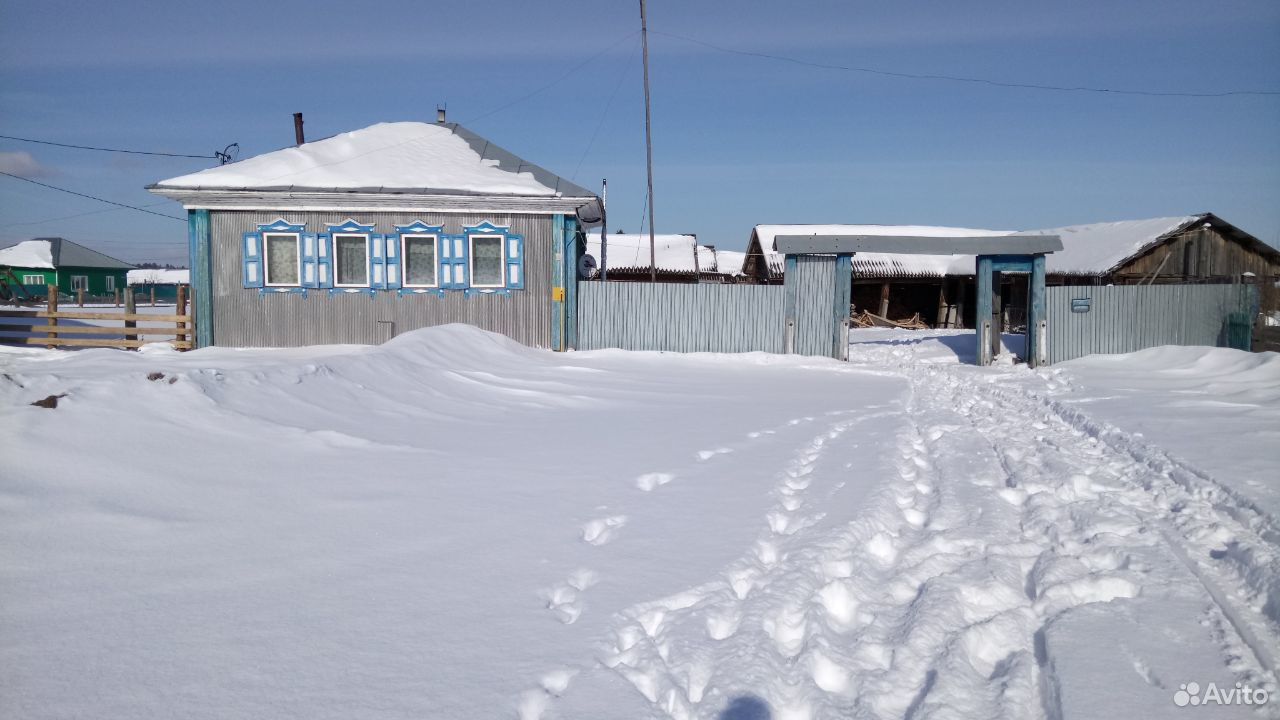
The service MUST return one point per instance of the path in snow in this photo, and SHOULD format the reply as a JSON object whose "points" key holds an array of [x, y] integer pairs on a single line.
{"points": [[1021, 562]]}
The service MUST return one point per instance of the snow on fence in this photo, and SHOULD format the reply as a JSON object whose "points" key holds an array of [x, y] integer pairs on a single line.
{"points": [[681, 318], [1084, 320], [21, 327]]}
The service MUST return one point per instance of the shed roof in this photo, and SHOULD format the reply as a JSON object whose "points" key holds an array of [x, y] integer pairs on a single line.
{"points": [[410, 157], [672, 253], [55, 253]]}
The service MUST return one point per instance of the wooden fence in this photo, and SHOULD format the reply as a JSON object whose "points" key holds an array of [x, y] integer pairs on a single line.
{"points": [[54, 334]]}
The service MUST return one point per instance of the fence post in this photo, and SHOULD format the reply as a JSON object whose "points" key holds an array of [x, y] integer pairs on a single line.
{"points": [[130, 307], [153, 296], [116, 292], [181, 308], [80, 296], [53, 319]]}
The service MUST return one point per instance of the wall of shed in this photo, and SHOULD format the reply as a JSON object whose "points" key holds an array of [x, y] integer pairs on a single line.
{"points": [[247, 318], [1203, 255]]}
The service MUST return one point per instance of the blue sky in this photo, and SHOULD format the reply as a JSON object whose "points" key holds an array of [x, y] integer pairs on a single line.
{"points": [[737, 140]]}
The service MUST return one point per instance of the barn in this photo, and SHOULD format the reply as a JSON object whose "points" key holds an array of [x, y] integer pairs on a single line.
{"points": [[1192, 249], [374, 232]]}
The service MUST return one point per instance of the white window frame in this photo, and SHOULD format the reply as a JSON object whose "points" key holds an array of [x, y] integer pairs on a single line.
{"points": [[109, 282], [266, 258], [336, 262], [502, 258], [33, 280], [404, 259], [83, 283]]}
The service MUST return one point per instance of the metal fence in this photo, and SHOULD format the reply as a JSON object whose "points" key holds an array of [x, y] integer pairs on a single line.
{"points": [[1084, 320], [680, 318]]}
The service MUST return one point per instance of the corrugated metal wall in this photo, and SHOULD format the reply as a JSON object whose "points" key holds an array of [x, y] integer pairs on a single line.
{"points": [[681, 318], [1125, 318], [813, 283], [246, 318]]}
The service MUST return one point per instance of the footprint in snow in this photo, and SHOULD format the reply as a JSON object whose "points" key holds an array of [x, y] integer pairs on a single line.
{"points": [[708, 454], [601, 530], [649, 481], [565, 598]]}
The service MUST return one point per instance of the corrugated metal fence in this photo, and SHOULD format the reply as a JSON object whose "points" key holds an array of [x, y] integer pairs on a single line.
{"points": [[1125, 318], [680, 318], [812, 284]]}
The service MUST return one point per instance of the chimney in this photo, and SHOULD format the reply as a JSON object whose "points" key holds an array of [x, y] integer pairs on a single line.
{"points": [[297, 129], [440, 114]]}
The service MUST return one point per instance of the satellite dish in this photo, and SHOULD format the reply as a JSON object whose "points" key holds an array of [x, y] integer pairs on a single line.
{"points": [[587, 266]]}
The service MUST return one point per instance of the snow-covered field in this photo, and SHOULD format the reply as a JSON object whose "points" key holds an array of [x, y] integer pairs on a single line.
{"points": [[451, 525]]}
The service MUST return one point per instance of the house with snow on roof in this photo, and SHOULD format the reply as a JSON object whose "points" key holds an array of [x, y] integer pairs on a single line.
{"points": [[361, 236], [36, 264], [1192, 249]]}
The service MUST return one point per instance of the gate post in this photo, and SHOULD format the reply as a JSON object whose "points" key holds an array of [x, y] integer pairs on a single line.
{"points": [[1037, 320], [982, 310]]}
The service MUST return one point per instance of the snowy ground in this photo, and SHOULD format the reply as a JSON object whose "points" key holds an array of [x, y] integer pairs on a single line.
{"points": [[451, 525]]}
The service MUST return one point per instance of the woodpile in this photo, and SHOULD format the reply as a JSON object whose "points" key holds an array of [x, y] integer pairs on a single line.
{"points": [[866, 319]]}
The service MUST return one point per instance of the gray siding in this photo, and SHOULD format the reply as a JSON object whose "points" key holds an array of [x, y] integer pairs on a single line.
{"points": [[681, 318], [813, 283], [246, 318], [1126, 318]]}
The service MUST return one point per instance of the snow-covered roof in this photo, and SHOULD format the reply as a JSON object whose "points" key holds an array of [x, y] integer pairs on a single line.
{"points": [[881, 263], [1097, 248], [729, 262], [672, 253], [28, 254], [1093, 249], [56, 253], [387, 157], [159, 277]]}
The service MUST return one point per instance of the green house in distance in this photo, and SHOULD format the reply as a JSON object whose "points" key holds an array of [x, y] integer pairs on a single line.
{"points": [[36, 264]]}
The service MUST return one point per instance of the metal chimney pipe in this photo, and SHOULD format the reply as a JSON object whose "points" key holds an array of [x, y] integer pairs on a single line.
{"points": [[440, 109], [297, 129]]}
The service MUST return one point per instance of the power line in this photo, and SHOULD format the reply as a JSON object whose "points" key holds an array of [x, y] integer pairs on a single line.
{"points": [[553, 83], [77, 215], [115, 150], [93, 197], [626, 68], [960, 78]]}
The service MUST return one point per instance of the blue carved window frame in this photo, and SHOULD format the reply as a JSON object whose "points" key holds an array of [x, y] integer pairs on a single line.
{"points": [[512, 258], [419, 228], [254, 256], [374, 250]]}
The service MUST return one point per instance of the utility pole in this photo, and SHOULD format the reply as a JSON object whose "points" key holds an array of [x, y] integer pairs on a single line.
{"points": [[604, 230], [648, 139]]}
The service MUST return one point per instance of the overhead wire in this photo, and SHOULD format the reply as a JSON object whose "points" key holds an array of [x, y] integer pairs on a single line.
{"points": [[92, 197], [626, 70], [103, 149]]}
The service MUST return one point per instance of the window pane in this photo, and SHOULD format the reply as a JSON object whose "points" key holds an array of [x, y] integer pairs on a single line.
{"points": [[420, 261], [353, 262], [282, 260], [486, 261]]}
